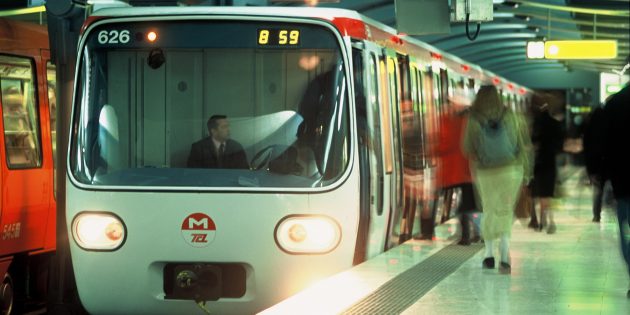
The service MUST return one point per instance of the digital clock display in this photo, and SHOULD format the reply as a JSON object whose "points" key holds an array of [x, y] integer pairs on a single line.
{"points": [[263, 35], [278, 37]]}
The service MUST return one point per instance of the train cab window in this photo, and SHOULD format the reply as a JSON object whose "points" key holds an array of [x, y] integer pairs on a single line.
{"points": [[141, 107], [19, 112]]}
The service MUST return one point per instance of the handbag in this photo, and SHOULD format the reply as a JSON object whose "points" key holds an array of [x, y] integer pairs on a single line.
{"points": [[523, 204]]}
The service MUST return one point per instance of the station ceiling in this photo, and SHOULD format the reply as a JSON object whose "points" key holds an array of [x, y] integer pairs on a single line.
{"points": [[501, 43]]}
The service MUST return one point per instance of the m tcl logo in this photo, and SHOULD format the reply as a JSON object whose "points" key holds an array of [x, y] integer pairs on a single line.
{"points": [[198, 229], [199, 238]]}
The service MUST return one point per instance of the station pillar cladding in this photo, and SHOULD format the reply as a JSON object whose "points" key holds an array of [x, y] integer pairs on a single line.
{"points": [[65, 18]]}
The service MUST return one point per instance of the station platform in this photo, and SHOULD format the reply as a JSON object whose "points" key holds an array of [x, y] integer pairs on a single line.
{"points": [[576, 270]]}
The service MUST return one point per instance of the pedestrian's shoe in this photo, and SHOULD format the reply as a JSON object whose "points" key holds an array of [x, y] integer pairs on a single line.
{"points": [[551, 229], [628, 294], [464, 242], [476, 239], [597, 219], [488, 263], [505, 268], [532, 225], [427, 229]]}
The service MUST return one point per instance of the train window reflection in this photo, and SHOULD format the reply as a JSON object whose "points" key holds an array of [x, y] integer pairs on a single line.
{"points": [[19, 111], [285, 106]]}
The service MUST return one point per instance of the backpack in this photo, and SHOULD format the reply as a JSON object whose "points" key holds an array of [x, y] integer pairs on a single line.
{"points": [[495, 147]]}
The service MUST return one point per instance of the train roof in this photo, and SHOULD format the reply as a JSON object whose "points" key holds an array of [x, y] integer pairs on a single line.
{"points": [[16, 35], [348, 22]]}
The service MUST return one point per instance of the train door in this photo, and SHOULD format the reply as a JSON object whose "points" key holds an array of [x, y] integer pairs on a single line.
{"points": [[416, 153], [431, 99], [389, 86], [412, 174], [26, 188], [47, 95], [375, 198]]}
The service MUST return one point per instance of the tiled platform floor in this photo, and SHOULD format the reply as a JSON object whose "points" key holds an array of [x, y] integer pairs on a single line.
{"points": [[577, 270]]}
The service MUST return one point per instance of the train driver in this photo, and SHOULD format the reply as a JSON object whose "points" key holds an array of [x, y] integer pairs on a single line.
{"points": [[217, 150]]}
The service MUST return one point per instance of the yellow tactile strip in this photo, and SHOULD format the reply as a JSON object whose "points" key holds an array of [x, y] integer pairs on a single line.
{"points": [[399, 293]]}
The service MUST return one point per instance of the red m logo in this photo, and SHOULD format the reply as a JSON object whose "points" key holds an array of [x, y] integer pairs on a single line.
{"points": [[192, 223]]}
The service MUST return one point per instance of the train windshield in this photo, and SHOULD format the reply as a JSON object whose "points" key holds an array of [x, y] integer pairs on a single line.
{"points": [[211, 104]]}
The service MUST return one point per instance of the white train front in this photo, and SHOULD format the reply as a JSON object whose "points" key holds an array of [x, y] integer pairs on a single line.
{"points": [[329, 123]]}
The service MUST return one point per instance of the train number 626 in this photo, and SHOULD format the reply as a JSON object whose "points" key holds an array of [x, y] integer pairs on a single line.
{"points": [[113, 37]]}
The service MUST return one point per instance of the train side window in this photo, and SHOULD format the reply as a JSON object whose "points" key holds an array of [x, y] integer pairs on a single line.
{"points": [[51, 78], [396, 91], [19, 111], [422, 113], [385, 114], [418, 112], [437, 104], [375, 129]]}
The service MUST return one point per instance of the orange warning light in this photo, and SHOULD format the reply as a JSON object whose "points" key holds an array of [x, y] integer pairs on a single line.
{"points": [[152, 36]]}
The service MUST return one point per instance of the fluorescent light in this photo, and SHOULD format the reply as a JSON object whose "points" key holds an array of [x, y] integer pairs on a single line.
{"points": [[535, 50]]}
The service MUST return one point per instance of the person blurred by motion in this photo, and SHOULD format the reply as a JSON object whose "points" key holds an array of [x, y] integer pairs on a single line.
{"points": [[547, 138], [497, 143], [453, 167], [610, 150], [592, 162]]}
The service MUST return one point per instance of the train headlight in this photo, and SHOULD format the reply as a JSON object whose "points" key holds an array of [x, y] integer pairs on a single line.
{"points": [[98, 231], [307, 234]]}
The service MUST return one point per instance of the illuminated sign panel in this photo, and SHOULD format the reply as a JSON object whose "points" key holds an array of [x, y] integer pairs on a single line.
{"points": [[581, 49], [535, 50], [278, 37]]}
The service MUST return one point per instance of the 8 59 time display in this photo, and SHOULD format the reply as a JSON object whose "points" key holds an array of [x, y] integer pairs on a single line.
{"points": [[278, 37]]}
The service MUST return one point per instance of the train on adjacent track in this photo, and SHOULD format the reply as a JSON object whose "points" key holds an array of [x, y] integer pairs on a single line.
{"points": [[27, 148]]}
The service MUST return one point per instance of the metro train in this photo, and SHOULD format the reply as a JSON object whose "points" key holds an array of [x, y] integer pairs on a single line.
{"points": [[337, 115], [27, 148]]}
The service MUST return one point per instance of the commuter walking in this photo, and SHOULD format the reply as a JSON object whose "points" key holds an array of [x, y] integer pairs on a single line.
{"points": [[453, 167], [547, 138], [592, 162], [497, 143], [611, 148]]}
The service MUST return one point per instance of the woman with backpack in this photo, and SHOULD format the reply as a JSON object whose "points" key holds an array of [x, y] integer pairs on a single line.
{"points": [[497, 144]]}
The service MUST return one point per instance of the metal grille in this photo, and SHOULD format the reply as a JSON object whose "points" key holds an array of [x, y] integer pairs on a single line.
{"points": [[399, 293]]}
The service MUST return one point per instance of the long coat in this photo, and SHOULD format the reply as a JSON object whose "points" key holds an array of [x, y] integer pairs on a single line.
{"points": [[613, 142], [453, 166]]}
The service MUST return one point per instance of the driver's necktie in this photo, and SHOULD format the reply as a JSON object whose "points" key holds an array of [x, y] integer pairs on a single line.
{"points": [[220, 154]]}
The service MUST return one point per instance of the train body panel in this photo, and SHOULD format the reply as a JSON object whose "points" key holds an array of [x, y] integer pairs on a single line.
{"points": [[244, 234]]}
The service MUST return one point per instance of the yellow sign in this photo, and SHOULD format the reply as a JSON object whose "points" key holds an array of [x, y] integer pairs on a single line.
{"points": [[581, 49]]}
